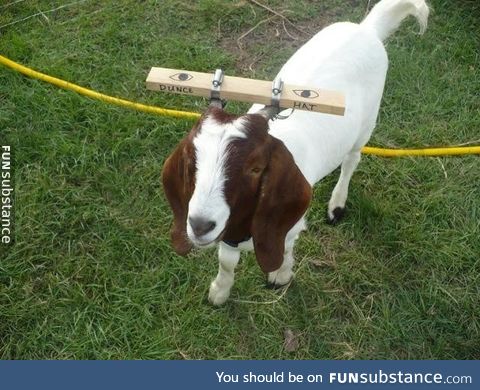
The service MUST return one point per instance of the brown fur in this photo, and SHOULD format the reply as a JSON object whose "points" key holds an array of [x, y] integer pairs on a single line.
{"points": [[266, 192], [178, 184]]}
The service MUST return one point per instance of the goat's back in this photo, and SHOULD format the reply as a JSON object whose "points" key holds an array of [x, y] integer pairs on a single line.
{"points": [[343, 57]]}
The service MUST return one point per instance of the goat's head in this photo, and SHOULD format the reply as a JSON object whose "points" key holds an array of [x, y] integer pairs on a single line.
{"points": [[228, 179]]}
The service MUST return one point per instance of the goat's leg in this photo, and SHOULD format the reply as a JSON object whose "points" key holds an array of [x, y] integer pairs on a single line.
{"points": [[336, 205], [220, 287], [284, 274]]}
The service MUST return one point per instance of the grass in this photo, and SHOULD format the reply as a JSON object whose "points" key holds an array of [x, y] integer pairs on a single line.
{"points": [[92, 275]]}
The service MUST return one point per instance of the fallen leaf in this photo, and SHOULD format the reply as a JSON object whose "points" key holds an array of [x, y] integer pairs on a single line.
{"points": [[328, 262], [291, 341]]}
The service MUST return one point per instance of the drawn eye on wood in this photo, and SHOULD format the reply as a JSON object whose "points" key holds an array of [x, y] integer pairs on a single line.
{"points": [[181, 76], [306, 93], [300, 97]]}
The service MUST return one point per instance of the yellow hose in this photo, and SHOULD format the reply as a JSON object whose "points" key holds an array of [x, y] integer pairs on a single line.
{"points": [[450, 151], [428, 152], [96, 95]]}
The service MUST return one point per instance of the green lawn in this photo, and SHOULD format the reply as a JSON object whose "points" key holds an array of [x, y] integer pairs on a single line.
{"points": [[92, 274]]}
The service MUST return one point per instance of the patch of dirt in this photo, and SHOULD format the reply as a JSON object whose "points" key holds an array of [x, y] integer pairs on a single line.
{"points": [[250, 47], [253, 45]]}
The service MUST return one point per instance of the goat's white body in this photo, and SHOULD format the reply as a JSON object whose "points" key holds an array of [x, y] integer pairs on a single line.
{"points": [[346, 57]]}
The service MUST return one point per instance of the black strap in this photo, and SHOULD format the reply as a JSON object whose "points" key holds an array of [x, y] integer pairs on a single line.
{"points": [[235, 243]]}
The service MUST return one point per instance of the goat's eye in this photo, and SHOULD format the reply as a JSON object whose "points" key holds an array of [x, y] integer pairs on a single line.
{"points": [[256, 170]]}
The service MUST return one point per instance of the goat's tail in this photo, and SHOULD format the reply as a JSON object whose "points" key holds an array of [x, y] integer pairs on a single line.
{"points": [[387, 15]]}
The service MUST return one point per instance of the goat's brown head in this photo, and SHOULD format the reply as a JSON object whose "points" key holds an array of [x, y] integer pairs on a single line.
{"points": [[228, 179]]}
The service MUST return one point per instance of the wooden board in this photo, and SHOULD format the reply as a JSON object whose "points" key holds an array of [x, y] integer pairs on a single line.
{"points": [[246, 90]]}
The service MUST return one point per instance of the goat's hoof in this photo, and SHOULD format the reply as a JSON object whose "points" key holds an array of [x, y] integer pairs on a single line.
{"points": [[276, 286], [336, 215], [277, 280], [217, 296]]}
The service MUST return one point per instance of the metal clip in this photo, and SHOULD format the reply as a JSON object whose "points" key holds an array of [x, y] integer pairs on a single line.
{"points": [[216, 84], [277, 87]]}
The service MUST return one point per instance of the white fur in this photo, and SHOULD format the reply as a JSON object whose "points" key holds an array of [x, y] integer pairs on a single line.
{"points": [[344, 57], [387, 15], [220, 287], [208, 199]]}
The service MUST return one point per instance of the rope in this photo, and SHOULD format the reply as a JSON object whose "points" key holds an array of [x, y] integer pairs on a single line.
{"points": [[383, 152]]}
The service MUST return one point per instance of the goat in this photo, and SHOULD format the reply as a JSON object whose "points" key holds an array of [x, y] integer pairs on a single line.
{"points": [[245, 181]]}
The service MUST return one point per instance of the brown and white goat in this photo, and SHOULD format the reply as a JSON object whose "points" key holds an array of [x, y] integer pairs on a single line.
{"points": [[245, 182]]}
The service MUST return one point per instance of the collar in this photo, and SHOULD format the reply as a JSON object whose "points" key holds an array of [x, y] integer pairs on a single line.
{"points": [[235, 243]]}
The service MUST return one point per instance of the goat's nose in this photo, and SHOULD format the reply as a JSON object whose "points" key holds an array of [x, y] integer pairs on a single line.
{"points": [[201, 226]]}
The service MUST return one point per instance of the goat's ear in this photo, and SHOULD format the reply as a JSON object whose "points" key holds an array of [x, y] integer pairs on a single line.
{"points": [[284, 197], [217, 103], [269, 112], [177, 178]]}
